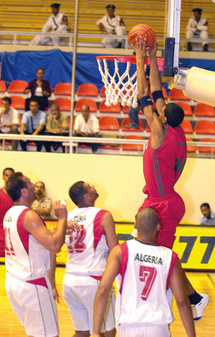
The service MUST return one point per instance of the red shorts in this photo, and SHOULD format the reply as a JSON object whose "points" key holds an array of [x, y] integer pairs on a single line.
{"points": [[170, 210]]}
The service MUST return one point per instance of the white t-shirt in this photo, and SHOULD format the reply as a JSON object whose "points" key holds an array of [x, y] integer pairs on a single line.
{"points": [[10, 117], [92, 124]]}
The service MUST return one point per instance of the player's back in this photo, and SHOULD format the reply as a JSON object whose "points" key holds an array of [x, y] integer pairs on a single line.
{"points": [[87, 247], [144, 272], [25, 257], [163, 166]]}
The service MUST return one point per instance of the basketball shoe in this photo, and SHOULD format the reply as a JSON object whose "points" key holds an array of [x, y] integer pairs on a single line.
{"points": [[198, 308]]}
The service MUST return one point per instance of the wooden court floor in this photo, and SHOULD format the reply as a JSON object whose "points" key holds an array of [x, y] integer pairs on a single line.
{"points": [[202, 282]]}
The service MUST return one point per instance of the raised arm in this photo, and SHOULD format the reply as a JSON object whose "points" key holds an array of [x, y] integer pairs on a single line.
{"points": [[100, 303], [108, 227]]}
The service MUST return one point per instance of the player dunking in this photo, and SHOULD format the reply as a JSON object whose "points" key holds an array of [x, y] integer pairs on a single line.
{"points": [[164, 159], [146, 271]]}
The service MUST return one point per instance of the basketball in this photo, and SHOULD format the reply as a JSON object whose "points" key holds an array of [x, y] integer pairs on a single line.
{"points": [[142, 30]]}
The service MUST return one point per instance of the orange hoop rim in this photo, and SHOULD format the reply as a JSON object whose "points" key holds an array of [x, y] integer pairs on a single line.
{"points": [[131, 59]]}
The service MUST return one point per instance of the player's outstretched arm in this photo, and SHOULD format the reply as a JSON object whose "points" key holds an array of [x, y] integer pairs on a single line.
{"points": [[51, 241], [177, 287], [108, 227], [100, 303]]}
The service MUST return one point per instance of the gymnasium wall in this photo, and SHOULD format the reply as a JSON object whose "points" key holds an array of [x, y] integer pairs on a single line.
{"points": [[118, 179]]}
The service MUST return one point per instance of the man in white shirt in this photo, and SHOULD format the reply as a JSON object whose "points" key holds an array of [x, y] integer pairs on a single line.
{"points": [[57, 23], [197, 28], [208, 217], [87, 125], [112, 25], [9, 120]]}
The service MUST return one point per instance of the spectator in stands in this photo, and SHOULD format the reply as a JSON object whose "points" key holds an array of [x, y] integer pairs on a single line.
{"points": [[57, 124], [112, 25], [197, 28], [208, 217], [42, 204], [87, 125], [57, 23], [9, 120], [33, 123], [39, 89]]}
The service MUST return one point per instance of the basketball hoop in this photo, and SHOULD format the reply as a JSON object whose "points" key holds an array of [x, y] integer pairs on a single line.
{"points": [[121, 87]]}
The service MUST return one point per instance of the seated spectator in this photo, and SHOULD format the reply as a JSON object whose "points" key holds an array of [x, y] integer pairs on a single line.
{"points": [[208, 217], [112, 25], [87, 125], [42, 204], [33, 123], [57, 124], [40, 90], [56, 23], [9, 120], [197, 28]]}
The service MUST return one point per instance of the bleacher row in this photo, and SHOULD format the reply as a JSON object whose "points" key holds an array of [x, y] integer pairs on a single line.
{"points": [[198, 123]]}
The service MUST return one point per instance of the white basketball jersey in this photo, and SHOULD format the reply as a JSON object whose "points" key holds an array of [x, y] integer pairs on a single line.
{"points": [[87, 248], [25, 257], [143, 282]]}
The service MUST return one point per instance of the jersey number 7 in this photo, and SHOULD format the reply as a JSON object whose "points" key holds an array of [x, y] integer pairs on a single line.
{"points": [[147, 275]]}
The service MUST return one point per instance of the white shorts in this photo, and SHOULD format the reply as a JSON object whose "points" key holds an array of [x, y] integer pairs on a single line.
{"points": [[79, 294], [34, 305], [143, 330]]}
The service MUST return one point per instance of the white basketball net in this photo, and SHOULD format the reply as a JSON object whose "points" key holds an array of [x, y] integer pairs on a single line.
{"points": [[116, 88]]}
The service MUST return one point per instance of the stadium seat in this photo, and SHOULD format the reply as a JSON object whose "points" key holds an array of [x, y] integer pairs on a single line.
{"points": [[206, 149], [187, 126], [108, 123], [17, 86], [63, 88], [186, 107], [87, 89], [132, 147], [0, 101], [109, 109], [2, 86], [127, 121], [102, 92], [204, 110], [190, 148], [205, 127], [86, 101], [177, 94], [18, 102], [64, 103]]}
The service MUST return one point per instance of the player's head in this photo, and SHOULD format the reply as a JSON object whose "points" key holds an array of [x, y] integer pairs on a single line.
{"points": [[174, 114], [110, 10], [55, 8], [19, 186], [83, 194], [197, 12], [7, 172], [147, 221], [206, 210]]}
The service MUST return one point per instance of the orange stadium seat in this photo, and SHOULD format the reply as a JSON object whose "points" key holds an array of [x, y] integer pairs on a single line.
{"points": [[186, 107], [190, 148], [102, 92], [18, 102], [177, 94], [64, 103], [17, 86], [0, 101], [86, 101], [206, 149], [204, 110], [205, 127], [87, 89], [108, 123], [127, 121], [187, 126], [132, 147], [2, 86], [63, 88], [109, 109]]}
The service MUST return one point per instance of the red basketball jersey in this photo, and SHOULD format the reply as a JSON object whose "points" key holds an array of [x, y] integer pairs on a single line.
{"points": [[163, 166], [5, 203]]}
